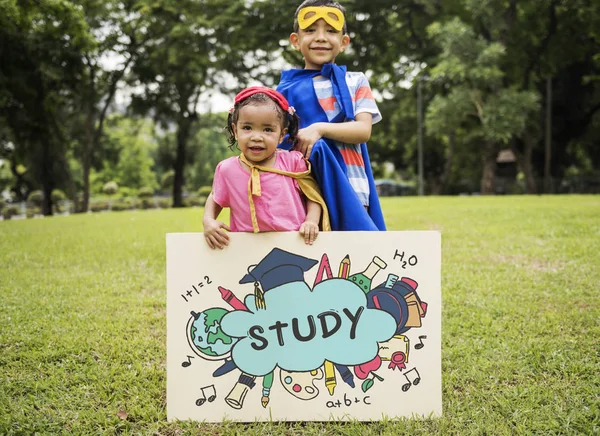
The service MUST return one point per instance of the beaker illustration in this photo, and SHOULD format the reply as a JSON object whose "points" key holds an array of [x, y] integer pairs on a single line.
{"points": [[365, 278]]}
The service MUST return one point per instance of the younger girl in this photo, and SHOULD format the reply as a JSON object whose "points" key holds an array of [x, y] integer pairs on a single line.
{"points": [[266, 189]]}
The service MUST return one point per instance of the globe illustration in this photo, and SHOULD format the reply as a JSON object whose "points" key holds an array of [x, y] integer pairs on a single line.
{"points": [[205, 336]]}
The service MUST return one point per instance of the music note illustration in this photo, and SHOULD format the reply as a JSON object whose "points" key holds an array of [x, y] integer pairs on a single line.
{"points": [[208, 393], [415, 381], [420, 344], [187, 362], [200, 401]]}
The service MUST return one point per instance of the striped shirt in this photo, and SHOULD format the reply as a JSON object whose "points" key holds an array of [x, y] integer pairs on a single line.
{"points": [[363, 101]]}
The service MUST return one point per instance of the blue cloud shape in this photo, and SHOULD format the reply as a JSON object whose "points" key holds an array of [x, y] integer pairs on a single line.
{"points": [[300, 328]]}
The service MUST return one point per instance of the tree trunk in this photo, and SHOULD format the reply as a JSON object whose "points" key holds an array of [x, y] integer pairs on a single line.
{"points": [[94, 123], [85, 201], [435, 185], [526, 165], [86, 156], [548, 139], [46, 177], [448, 164], [183, 133], [489, 169]]}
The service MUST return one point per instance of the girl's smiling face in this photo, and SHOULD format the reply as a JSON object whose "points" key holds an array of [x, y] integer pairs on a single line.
{"points": [[258, 132], [319, 44]]}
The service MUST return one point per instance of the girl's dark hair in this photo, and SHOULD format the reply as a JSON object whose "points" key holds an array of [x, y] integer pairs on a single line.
{"points": [[307, 3], [291, 122]]}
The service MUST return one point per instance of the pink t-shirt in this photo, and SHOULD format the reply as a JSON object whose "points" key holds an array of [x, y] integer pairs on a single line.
{"points": [[281, 206]]}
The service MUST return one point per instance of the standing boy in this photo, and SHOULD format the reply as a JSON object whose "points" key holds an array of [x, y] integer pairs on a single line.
{"points": [[336, 110]]}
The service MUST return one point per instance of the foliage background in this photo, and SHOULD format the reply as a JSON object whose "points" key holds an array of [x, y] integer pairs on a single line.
{"points": [[121, 90]]}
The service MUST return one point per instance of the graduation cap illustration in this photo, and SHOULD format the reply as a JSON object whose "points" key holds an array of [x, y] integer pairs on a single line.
{"points": [[277, 268]]}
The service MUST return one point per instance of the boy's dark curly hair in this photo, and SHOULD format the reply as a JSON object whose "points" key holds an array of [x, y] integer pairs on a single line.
{"points": [[307, 3], [291, 122]]}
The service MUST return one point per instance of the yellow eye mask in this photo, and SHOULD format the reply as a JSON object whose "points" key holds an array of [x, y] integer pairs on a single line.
{"points": [[332, 16]]}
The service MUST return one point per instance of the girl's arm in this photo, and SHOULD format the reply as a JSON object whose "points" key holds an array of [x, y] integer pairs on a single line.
{"points": [[310, 227], [349, 132], [214, 234]]}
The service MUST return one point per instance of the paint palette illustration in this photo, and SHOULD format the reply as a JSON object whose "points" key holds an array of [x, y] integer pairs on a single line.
{"points": [[301, 384]]}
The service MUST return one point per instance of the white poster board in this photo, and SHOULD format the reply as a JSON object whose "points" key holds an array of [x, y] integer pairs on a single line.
{"points": [[272, 329]]}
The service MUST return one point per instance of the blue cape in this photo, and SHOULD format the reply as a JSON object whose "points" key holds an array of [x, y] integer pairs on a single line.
{"points": [[328, 167]]}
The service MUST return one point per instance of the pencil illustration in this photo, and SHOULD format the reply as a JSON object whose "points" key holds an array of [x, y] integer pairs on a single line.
{"points": [[344, 267]]}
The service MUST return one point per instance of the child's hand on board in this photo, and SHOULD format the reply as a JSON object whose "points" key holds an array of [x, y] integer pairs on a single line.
{"points": [[309, 230], [215, 234]]}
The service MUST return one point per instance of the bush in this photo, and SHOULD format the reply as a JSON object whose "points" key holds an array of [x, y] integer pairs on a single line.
{"points": [[9, 212], [2, 204], [126, 192], [167, 180], [146, 192], [165, 203], [78, 203], [98, 206], [36, 198], [30, 212], [110, 188], [146, 203], [196, 201], [203, 191], [118, 206], [58, 195]]}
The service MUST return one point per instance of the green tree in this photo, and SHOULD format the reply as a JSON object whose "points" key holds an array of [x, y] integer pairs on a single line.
{"points": [[118, 27], [15, 175], [181, 64], [547, 42], [130, 147], [41, 65], [208, 146], [5, 176], [470, 66]]}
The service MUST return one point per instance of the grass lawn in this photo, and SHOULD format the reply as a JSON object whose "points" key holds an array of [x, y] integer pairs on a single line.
{"points": [[82, 321]]}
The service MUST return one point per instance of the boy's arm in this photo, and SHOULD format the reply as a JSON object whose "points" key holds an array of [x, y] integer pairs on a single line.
{"points": [[310, 227], [349, 132], [214, 234]]}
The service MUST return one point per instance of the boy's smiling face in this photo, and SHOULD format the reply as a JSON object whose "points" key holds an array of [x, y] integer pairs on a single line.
{"points": [[319, 44]]}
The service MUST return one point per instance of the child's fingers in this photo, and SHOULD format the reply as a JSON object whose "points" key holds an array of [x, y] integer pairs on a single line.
{"points": [[313, 234], [308, 151], [309, 232], [221, 239], [223, 236], [209, 242], [299, 147], [304, 147], [303, 231], [217, 239]]}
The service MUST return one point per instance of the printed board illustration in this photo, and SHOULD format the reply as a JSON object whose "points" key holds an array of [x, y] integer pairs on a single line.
{"points": [[273, 329]]}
